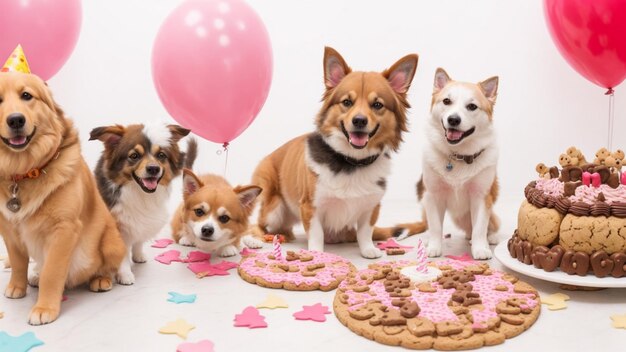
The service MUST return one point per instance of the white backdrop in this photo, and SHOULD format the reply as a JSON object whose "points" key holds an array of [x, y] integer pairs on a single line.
{"points": [[543, 105]]}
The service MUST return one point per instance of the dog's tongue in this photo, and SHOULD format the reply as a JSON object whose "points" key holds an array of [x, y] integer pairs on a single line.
{"points": [[150, 183], [454, 135], [359, 139], [17, 140]]}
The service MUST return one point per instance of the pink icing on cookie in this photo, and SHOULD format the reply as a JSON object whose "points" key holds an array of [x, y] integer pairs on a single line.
{"points": [[434, 306], [335, 266], [589, 194], [552, 187]]}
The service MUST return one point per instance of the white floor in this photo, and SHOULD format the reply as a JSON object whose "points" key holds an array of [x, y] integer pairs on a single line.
{"points": [[128, 317]]}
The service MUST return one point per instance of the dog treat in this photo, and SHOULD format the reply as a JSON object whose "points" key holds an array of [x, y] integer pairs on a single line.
{"points": [[576, 222], [469, 306], [297, 271], [395, 251]]}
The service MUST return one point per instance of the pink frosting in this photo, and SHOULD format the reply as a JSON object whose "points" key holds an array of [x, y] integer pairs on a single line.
{"points": [[434, 306], [335, 266], [552, 187], [589, 194]]}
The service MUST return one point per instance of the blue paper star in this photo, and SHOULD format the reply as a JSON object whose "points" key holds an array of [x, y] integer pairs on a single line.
{"points": [[180, 298], [22, 343]]}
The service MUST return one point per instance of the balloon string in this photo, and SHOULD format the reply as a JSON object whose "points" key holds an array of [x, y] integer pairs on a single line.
{"points": [[611, 95], [225, 145]]}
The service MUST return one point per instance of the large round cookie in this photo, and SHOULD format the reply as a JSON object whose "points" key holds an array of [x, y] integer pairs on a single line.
{"points": [[469, 306], [297, 271]]}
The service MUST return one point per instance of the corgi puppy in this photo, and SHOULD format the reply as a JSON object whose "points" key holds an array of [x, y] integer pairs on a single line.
{"points": [[50, 208], [134, 175], [214, 215], [460, 160], [332, 180]]}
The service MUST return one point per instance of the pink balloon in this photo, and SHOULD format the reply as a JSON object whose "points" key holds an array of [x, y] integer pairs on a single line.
{"points": [[212, 67], [47, 30], [590, 35]]}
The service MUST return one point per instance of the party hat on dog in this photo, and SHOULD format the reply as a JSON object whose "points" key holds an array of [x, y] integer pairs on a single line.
{"points": [[16, 62]]}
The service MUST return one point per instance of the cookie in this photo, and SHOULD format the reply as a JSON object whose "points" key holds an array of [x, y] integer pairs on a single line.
{"points": [[591, 233], [477, 309], [539, 226], [297, 271]]}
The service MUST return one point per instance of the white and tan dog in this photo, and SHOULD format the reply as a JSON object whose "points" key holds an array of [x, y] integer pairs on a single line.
{"points": [[460, 159], [332, 180]]}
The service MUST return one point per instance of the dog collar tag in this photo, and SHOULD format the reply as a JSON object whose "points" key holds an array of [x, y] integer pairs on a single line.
{"points": [[449, 166], [14, 204]]}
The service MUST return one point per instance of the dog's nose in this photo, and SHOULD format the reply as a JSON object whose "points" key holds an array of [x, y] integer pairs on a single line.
{"points": [[454, 120], [153, 170], [16, 121], [359, 121], [207, 230]]}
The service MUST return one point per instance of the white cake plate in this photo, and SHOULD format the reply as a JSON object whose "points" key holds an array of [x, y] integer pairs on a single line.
{"points": [[502, 253]]}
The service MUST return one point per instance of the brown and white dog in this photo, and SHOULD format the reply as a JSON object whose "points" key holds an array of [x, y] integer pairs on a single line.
{"points": [[50, 207], [134, 175], [214, 215], [332, 180], [460, 160]]}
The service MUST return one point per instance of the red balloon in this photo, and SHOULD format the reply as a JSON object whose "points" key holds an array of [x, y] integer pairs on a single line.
{"points": [[591, 35]]}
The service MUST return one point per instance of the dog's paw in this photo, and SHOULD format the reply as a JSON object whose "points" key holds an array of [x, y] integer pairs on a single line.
{"points": [[371, 252], [13, 291], [43, 315], [101, 284], [125, 278], [251, 242], [139, 258], [493, 238], [433, 249], [33, 280], [229, 251], [184, 241], [480, 252]]}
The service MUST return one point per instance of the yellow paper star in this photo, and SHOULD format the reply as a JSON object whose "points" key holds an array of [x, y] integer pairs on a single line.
{"points": [[555, 301], [619, 321], [273, 301], [179, 327]]}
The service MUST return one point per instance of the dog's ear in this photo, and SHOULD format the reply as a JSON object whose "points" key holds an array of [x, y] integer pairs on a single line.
{"points": [[400, 75], [490, 88], [109, 135], [441, 79], [247, 195], [178, 132], [191, 183], [335, 68]]}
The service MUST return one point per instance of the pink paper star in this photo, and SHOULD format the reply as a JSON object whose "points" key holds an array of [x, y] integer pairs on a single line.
{"points": [[251, 318], [315, 312], [168, 257], [207, 269], [162, 243], [197, 256], [246, 251], [391, 243], [200, 346], [465, 257]]}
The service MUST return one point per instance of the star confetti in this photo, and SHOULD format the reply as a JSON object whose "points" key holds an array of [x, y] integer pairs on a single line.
{"points": [[178, 298], [202, 269], [179, 327], [619, 321], [162, 243], [200, 346], [251, 318], [197, 256], [465, 257], [555, 301], [168, 257], [316, 312], [272, 302], [391, 243], [22, 343]]}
